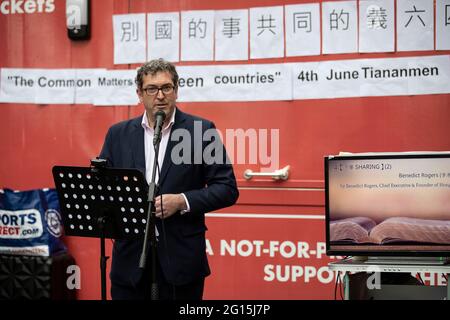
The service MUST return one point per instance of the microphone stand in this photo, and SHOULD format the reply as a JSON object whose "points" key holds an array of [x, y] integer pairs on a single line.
{"points": [[150, 228]]}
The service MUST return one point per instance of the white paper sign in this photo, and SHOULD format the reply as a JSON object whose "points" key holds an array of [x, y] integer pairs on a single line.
{"points": [[18, 85], [231, 35], [376, 26], [116, 88], [197, 35], [339, 27], [302, 29], [129, 38], [56, 86], [415, 25], [249, 82], [40, 86], [442, 24], [164, 36], [266, 32], [87, 93], [255, 82], [372, 77]]}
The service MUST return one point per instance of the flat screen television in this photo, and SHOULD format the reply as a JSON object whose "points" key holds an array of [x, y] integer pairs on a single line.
{"points": [[390, 204]]}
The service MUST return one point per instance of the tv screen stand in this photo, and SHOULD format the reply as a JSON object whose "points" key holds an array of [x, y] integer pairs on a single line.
{"points": [[363, 279]]}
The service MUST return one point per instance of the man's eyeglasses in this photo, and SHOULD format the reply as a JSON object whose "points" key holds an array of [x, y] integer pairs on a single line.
{"points": [[153, 90]]}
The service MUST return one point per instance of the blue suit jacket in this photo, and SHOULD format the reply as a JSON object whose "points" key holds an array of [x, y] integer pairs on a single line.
{"points": [[207, 187]]}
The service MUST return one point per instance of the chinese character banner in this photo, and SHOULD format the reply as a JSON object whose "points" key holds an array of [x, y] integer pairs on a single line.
{"points": [[330, 27]]}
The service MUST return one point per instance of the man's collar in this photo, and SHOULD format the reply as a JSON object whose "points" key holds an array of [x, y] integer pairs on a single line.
{"points": [[145, 124]]}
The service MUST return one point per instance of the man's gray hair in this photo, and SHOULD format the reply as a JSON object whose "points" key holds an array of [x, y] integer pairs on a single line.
{"points": [[153, 67]]}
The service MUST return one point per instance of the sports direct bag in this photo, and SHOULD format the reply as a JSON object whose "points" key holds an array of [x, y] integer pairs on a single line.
{"points": [[30, 223]]}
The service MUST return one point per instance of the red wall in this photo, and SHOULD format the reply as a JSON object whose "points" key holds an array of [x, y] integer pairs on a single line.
{"points": [[34, 138]]}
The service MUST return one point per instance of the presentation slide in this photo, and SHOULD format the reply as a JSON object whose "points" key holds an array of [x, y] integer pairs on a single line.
{"points": [[389, 201]]}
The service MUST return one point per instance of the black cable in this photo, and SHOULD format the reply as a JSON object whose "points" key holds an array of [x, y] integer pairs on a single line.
{"points": [[341, 287], [336, 285], [420, 278]]}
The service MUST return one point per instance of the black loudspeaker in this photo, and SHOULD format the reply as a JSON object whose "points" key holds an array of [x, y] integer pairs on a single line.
{"points": [[35, 278]]}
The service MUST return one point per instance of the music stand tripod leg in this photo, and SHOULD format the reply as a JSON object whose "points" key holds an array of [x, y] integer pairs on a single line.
{"points": [[103, 257]]}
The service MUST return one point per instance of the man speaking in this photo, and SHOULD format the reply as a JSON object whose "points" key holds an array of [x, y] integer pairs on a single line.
{"points": [[189, 186]]}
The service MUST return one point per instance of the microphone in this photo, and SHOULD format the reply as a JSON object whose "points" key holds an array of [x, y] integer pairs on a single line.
{"points": [[160, 116]]}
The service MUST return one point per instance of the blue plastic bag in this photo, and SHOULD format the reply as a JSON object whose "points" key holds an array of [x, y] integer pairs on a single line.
{"points": [[30, 223]]}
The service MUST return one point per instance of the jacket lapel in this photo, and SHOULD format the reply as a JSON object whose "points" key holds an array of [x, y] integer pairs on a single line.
{"points": [[137, 143], [179, 119]]}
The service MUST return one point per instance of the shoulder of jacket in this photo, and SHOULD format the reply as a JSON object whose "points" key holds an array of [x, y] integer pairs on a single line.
{"points": [[126, 124], [193, 118]]}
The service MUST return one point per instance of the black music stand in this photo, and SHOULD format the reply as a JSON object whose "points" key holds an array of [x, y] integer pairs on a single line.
{"points": [[102, 202]]}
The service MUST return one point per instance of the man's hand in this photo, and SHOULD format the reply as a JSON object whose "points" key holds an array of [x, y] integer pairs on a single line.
{"points": [[171, 204]]}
